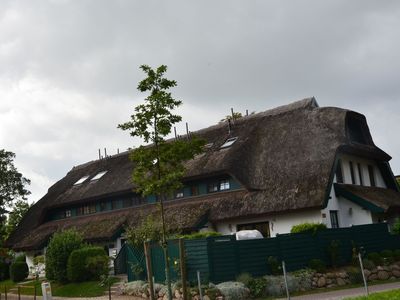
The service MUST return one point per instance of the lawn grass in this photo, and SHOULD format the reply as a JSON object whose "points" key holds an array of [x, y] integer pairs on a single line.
{"points": [[82, 289], [389, 295]]}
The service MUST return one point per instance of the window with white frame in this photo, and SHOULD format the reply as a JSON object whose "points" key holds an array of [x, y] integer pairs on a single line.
{"points": [[98, 175], [68, 213], [229, 142], [224, 185]]}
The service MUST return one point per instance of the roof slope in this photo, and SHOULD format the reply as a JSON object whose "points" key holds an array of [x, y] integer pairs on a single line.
{"points": [[283, 157]]}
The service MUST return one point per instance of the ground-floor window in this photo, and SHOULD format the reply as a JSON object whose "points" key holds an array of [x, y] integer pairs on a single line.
{"points": [[262, 227], [334, 218]]}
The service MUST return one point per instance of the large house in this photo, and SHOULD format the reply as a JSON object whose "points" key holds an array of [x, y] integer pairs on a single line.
{"points": [[268, 171]]}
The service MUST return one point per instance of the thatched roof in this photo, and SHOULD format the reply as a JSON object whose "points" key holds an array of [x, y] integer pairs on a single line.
{"points": [[283, 158], [373, 198]]}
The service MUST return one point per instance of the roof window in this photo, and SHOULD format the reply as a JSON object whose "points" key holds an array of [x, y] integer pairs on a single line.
{"points": [[208, 146], [229, 142], [82, 180], [98, 176]]}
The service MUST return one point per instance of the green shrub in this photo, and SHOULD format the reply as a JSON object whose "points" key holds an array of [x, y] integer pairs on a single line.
{"points": [[396, 254], [20, 258], [4, 271], [368, 264], [376, 258], [244, 278], [308, 227], [233, 290], [98, 266], [274, 265], [387, 256], [18, 271], [257, 287], [355, 275], [317, 265], [396, 226], [60, 247], [77, 266], [199, 235]]}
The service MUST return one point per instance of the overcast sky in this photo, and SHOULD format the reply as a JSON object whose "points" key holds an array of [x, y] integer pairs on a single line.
{"points": [[69, 69]]}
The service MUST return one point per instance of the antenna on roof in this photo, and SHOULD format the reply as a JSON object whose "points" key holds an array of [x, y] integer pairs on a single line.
{"points": [[105, 153], [247, 112], [99, 154], [176, 137], [233, 115], [229, 126], [117, 150], [187, 130]]}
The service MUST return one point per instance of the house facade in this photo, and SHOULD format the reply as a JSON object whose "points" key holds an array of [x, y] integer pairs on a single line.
{"points": [[268, 171]]}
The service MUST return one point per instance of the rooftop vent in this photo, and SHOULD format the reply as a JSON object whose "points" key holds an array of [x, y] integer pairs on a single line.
{"points": [[229, 142], [82, 180]]}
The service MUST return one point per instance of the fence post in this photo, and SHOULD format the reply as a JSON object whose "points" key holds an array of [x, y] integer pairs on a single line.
{"points": [[149, 269], [5, 292], [34, 291], [284, 276], [199, 284], [19, 292], [182, 259], [363, 274]]}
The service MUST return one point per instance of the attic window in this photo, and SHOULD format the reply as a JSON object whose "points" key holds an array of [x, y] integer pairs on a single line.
{"points": [[229, 142], [83, 179], [98, 176]]}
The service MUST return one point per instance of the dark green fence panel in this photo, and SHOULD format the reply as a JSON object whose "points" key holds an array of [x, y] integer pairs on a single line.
{"points": [[197, 259], [158, 263], [223, 258], [136, 264], [253, 255]]}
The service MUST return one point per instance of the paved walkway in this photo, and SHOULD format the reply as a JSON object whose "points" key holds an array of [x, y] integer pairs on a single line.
{"points": [[341, 294]]}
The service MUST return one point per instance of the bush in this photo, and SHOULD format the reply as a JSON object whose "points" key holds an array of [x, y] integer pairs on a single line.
{"points": [[18, 271], [396, 226], [20, 258], [199, 235], [98, 266], [304, 278], [396, 254], [274, 265], [317, 265], [77, 266], [4, 271], [308, 227], [258, 287], [387, 256], [355, 275], [368, 264], [276, 285], [375, 258], [233, 290], [244, 278], [60, 247]]}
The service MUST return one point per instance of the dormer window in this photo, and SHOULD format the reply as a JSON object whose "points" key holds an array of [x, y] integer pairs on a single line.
{"points": [[82, 180], [179, 194], [98, 175], [68, 213], [224, 185], [229, 142]]}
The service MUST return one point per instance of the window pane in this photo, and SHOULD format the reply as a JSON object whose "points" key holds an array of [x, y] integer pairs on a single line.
{"points": [[339, 173], [224, 185], [360, 174], [353, 179], [229, 142], [81, 180], [334, 219], [98, 175], [371, 175], [212, 187]]}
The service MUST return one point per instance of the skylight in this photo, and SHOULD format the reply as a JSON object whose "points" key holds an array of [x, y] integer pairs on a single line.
{"points": [[98, 175], [83, 179], [229, 142]]}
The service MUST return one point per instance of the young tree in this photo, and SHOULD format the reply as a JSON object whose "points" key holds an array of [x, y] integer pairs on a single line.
{"points": [[12, 186], [18, 211], [159, 167]]}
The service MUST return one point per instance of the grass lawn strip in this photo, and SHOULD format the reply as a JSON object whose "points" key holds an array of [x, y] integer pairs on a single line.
{"points": [[82, 289], [388, 295]]}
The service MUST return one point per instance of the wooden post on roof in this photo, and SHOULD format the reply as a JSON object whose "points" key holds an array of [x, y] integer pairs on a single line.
{"points": [[182, 259], [147, 254]]}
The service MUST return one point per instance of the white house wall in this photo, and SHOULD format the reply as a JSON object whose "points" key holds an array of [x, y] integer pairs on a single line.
{"points": [[278, 224]]}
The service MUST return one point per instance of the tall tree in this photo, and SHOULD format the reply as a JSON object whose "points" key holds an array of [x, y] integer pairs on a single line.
{"points": [[159, 167], [12, 186]]}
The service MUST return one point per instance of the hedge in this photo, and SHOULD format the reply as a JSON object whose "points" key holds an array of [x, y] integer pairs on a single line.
{"points": [[77, 267], [18, 271]]}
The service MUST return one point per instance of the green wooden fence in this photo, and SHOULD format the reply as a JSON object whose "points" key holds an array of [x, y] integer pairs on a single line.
{"points": [[223, 258]]}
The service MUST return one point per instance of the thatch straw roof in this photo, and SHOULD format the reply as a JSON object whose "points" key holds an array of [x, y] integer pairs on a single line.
{"points": [[283, 158]]}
